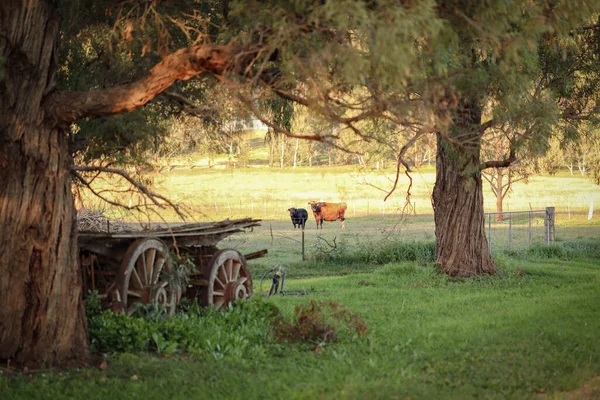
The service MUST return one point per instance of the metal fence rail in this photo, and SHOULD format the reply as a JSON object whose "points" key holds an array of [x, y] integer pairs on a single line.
{"points": [[519, 229]]}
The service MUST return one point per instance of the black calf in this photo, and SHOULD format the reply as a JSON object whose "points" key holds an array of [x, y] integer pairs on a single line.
{"points": [[298, 216]]}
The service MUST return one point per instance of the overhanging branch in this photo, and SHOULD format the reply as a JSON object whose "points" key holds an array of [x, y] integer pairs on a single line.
{"points": [[180, 65]]}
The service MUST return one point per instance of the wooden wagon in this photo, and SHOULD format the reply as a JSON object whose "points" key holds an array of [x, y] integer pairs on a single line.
{"points": [[165, 265]]}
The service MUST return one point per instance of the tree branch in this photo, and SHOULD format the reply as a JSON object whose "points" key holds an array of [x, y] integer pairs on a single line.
{"points": [[155, 198], [181, 65], [402, 162], [500, 163]]}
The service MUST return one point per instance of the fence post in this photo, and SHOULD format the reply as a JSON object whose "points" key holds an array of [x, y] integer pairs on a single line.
{"points": [[530, 228], [303, 242], [510, 231], [549, 224], [490, 231]]}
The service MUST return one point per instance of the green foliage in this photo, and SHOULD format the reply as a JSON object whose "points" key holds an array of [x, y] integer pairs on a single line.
{"points": [[238, 331]]}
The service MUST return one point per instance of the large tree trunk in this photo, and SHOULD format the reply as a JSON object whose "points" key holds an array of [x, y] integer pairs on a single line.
{"points": [[462, 248], [42, 320]]}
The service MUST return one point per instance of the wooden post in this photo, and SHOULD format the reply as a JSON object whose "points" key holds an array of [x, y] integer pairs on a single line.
{"points": [[490, 231], [549, 224], [303, 243], [530, 233], [510, 231]]}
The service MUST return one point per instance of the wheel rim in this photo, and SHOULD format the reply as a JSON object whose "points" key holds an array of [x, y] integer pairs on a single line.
{"points": [[144, 276], [228, 279]]}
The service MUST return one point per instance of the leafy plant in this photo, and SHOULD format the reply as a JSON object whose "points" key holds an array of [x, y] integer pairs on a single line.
{"points": [[238, 331]]}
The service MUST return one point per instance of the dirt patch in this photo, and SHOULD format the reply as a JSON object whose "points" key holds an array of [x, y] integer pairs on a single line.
{"points": [[590, 390]]}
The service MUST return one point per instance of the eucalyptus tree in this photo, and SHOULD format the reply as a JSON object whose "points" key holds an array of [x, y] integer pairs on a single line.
{"points": [[434, 67]]}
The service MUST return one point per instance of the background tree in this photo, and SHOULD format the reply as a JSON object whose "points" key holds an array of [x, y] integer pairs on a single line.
{"points": [[501, 179]]}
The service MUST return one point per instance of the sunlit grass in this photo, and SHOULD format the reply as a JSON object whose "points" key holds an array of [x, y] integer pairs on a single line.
{"points": [[534, 330], [215, 194]]}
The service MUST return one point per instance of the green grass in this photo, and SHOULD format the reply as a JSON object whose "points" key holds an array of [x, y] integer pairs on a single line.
{"points": [[535, 329], [532, 329]]}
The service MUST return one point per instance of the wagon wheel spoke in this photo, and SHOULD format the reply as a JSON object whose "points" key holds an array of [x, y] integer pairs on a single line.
{"points": [[134, 293], [237, 266], [217, 280], [241, 281], [222, 274], [219, 302], [158, 267], [141, 269], [149, 262], [131, 309], [217, 294], [136, 280], [228, 269]]}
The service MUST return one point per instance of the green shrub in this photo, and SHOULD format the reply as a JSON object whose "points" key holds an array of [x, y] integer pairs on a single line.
{"points": [[239, 331]]}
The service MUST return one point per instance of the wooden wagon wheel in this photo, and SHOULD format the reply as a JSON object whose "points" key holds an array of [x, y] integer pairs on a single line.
{"points": [[144, 276], [228, 279]]}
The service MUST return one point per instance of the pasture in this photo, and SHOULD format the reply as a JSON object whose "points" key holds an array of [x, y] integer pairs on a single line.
{"points": [[532, 332]]}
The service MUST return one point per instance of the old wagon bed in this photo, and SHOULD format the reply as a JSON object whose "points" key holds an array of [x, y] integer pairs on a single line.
{"points": [[165, 264]]}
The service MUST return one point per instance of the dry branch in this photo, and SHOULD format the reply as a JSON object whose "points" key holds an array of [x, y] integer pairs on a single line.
{"points": [[155, 198]]}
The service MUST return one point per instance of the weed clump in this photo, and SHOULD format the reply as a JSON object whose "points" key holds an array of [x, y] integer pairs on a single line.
{"points": [[317, 323]]}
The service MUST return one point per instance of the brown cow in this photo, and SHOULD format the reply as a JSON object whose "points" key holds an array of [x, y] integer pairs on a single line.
{"points": [[324, 211]]}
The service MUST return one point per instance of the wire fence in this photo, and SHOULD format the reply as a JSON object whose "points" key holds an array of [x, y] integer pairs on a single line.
{"points": [[275, 209], [519, 229]]}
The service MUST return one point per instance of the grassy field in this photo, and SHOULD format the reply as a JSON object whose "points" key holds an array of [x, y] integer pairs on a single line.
{"points": [[532, 332]]}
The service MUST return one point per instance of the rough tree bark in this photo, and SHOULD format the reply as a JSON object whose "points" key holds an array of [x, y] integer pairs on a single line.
{"points": [[42, 319], [461, 246]]}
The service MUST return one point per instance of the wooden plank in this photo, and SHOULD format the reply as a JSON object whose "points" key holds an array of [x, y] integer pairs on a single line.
{"points": [[197, 230], [256, 254]]}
